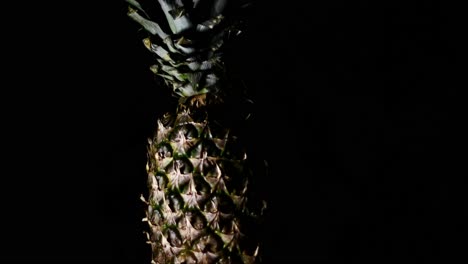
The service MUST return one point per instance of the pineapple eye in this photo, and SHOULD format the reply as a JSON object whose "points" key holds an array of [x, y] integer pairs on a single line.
{"points": [[210, 243], [157, 218], [197, 220], [225, 203], [161, 179], [226, 225], [211, 170], [210, 205], [191, 132], [184, 166], [211, 150], [187, 132], [174, 238], [201, 185], [175, 202], [164, 151]]}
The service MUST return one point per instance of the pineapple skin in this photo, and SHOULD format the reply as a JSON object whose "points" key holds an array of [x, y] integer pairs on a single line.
{"points": [[198, 204]]}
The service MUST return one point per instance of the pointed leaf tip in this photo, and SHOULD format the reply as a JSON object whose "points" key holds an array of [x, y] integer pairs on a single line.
{"points": [[148, 25]]}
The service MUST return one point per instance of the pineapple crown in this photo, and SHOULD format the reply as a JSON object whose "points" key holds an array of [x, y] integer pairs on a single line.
{"points": [[188, 42]]}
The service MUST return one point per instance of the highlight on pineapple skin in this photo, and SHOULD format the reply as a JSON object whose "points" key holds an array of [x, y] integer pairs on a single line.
{"points": [[200, 207]]}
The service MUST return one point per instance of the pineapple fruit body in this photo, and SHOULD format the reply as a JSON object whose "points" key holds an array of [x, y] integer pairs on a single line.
{"points": [[198, 201]]}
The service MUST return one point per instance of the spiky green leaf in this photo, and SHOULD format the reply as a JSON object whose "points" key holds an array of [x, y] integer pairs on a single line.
{"points": [[137, 5], [218, 7], [210, 23], [148, 25], [177, 24], [174, 72], [158, 50]]}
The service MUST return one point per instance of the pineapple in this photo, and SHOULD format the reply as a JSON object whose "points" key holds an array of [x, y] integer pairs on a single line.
{"points": [[200, 202]]}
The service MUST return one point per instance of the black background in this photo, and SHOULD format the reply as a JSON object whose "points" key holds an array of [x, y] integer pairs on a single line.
{"points": [[357, 112]]}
